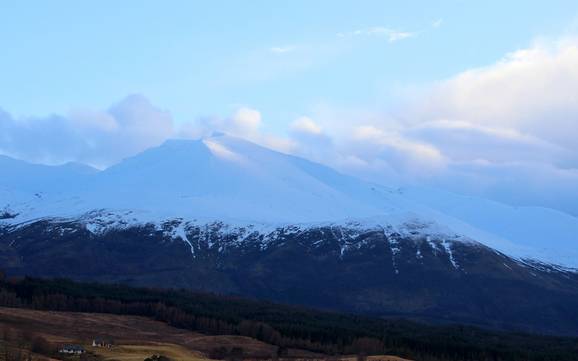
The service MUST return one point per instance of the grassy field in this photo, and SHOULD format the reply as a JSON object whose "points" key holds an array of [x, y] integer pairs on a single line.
{"points": [[140, 352], [137, 338], [68, 327], [375, 358]]}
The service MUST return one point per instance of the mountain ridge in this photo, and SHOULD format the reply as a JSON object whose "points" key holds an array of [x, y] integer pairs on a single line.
{"points": [[229, 179], [349, 268], [223, 215]]}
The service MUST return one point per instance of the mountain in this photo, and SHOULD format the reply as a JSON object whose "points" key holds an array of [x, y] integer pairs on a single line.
{"points": [[546, 234], [224, 215], [24, 176], [223, 178]]}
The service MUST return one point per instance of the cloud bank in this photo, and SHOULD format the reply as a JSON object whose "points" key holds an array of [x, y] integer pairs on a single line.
{"points": [[507, 131], [529, 98], [94, 137]]}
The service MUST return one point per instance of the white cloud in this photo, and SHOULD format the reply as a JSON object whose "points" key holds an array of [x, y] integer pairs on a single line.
{"points": [[94, 137], [463, 141], [531, 92], [395, 148], [392, 35], [282, 49], [280, 144], [437, 23], [507, 131], [246, 121], [306, 125], [102, 138]]}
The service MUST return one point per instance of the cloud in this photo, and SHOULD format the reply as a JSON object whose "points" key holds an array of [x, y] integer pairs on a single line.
{"points": [[285, 61], [531, 92], [306, 125], [401, 152], [282, 49], [509, 128], [102, 138], [94, 137], [462, 141], [392, 35], [310, 140], [437, 23], [506, 131], [517, 183], [246, 121]]}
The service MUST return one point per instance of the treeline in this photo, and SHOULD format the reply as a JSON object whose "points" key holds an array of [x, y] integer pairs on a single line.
{"points": [[286, 326]]}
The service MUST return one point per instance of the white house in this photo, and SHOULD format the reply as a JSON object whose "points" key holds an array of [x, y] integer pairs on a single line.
{"points": [[101, 342]]}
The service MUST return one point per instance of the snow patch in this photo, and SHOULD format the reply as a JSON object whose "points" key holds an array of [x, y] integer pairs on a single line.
{"points": [[181, 232], [448, 248]]}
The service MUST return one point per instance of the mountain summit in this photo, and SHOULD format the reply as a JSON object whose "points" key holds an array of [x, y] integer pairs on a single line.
{"points": [[224, 177]]}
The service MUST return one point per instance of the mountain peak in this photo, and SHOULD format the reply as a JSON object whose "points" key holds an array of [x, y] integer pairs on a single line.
{"points": [[230, 179], [227, 177]]}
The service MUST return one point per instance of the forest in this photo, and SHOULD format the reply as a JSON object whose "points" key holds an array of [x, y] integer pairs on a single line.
{"points": [[286, 326]]}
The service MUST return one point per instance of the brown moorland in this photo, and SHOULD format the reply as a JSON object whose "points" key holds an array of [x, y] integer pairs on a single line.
{"points": [[137, 338]]}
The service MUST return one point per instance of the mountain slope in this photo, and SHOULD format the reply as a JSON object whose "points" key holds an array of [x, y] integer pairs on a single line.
{"points": [[347, 267], [541, 233], [28, 177], [224, 215], [228, 179]]}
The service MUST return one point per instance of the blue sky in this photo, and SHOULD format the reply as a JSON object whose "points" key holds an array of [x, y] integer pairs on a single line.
{"points": [[204, 58], [474, 97]]}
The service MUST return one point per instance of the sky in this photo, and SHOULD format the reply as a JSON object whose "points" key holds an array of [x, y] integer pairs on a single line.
{"points": [[479, 98]]}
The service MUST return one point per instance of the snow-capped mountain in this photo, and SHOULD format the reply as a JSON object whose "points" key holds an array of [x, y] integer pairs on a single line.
{"points": [[221, 214], [223, 178]]}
